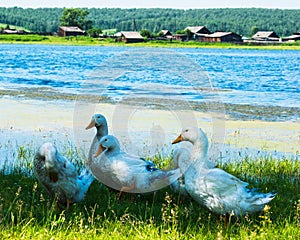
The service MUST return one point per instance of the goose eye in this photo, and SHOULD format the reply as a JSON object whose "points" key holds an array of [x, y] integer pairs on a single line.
{"points": [[186, 130]]}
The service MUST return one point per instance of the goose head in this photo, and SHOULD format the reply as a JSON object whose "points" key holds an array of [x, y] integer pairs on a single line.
{"points": [[98, 121], [52, 160], [194, 135], [108, 143]]}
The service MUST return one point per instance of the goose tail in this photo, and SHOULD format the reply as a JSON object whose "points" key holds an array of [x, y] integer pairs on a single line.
{"points": [[259, 200]]}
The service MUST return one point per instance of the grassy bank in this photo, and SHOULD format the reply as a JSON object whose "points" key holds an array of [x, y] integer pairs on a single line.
{"points": [[30, 38], [27, 212]]}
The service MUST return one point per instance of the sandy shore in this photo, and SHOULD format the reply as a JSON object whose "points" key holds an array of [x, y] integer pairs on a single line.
{"points": [[141, 130]]}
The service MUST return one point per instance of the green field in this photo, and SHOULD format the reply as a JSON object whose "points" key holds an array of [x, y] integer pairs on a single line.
{"points": [[83, 40], [27, 211]]}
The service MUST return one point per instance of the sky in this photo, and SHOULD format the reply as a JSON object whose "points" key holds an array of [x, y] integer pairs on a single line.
{"points": [[179, 4]]}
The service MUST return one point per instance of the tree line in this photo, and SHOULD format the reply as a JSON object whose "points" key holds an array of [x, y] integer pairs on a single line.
{"points": [[239, 20]]}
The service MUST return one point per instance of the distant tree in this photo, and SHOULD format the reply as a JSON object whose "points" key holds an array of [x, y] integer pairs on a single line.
{"points": [[146, 33], [94, 32], [75, 17], [186, 32], [160, 34], [254, 30], [180, 32]]}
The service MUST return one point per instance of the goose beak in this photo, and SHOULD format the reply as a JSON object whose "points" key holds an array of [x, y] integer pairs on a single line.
{"points": [[91, 125], [99, 151], [178, 139]]}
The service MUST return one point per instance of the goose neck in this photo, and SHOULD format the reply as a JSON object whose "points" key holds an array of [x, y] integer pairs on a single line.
{"points": [[101, 131]]}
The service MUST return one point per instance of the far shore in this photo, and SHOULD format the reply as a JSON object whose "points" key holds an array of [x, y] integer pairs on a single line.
{"points": [[87, 41]]}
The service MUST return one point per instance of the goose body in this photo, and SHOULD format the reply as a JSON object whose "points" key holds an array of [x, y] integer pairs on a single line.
{"points": [[128, 173], [59, 176], [219, 191]]}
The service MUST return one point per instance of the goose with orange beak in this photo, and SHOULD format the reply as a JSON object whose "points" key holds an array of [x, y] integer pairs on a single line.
{"points": [[219, 191], [99, 122], [128, 173]]}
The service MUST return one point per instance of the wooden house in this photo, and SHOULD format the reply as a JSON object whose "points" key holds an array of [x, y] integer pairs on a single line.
{"points": [[70, 31], [166, 34], [131, 37], [198, 30], [222, 37], [265, 36], [180, 37]]}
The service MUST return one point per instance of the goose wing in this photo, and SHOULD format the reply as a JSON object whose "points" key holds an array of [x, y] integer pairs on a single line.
{"points": [[222, 183]]}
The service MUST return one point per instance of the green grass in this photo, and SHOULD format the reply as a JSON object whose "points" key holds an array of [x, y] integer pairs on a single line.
{"points": [[84, 40], [27, 211], [22, 38]]}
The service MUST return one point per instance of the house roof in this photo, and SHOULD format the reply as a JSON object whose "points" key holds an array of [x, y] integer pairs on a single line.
{"points": [[293, 37], [166, 32], [9, 31], [71, 29], [219, 34], [196, 29], [264, 34], [132, 35]]}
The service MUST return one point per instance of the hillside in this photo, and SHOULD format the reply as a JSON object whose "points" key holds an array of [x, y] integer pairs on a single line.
{"points": [[240, 21]]}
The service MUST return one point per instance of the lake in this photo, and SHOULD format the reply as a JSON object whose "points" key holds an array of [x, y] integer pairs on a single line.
{"points": [[253, 77]]}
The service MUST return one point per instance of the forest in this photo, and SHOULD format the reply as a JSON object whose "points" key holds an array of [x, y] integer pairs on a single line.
{"points": [[239, 20]]}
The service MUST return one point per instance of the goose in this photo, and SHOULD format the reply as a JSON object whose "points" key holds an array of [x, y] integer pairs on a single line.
{"points": [[219, 191], [59, 176], [128, 173], [98, 121]]}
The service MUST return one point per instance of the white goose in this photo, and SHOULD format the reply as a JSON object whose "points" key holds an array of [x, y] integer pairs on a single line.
{"points": [[219, 191], [59, 176], [128, 173], [98, 121]]}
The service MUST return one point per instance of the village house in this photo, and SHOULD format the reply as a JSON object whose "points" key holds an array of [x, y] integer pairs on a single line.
{"points": [[222, 37], [131, 37], [198, 32], [265, 36], [180, 37], [166, 34], [70, 31], [198, 29]]}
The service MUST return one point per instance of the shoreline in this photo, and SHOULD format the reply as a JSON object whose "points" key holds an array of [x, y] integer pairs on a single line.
{"points": [[241, 112], [31, 121], [50, 40]]}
